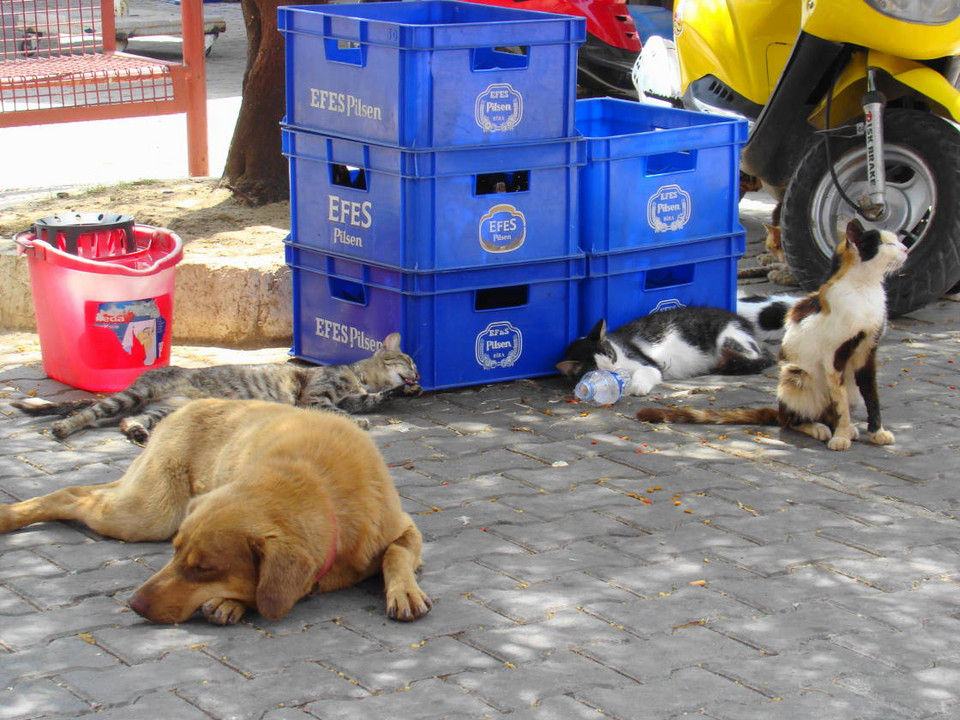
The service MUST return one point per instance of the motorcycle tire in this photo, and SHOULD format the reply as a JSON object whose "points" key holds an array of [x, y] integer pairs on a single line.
{"points": [[922, 160]]}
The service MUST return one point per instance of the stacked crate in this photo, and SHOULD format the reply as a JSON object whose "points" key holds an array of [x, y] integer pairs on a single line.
{"points": [[434, 185], [658, 209]]}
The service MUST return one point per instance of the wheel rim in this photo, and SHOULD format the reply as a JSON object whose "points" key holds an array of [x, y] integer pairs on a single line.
{"points": [[911, 196]]}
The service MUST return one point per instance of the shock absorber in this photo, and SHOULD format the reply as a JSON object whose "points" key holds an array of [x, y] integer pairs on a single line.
{"points": [[873, 104]]}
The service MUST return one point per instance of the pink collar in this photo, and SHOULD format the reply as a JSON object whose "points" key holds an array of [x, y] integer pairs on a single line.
{"points": [[332, 553]]}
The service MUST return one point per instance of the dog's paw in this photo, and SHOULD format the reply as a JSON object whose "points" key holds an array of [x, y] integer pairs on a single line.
{"points": [[221, 611], [407, 603], [882, 437]]}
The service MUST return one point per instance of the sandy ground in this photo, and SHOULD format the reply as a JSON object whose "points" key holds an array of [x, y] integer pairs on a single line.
{"points": [[204, 215]]}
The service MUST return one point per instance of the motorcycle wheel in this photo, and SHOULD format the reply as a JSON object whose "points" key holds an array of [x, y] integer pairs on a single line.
{"points": [[922, 160]]}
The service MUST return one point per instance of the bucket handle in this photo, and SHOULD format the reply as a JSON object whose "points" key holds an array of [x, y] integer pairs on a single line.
{"points": [[28, 247]]}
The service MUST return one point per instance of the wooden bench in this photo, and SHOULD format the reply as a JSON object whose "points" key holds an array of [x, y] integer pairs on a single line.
{"points": [[59, 63]]}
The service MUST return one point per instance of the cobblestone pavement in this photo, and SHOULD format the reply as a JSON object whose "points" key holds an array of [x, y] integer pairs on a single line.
{"points": [[581, 564]]}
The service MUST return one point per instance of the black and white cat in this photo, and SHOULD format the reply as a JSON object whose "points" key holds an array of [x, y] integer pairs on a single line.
{"points": [[767, 313], [670, 345]]}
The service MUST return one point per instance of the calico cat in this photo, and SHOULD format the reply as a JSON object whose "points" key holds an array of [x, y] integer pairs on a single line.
{"points": [[672, 344], [829, 350], [358, 387]]}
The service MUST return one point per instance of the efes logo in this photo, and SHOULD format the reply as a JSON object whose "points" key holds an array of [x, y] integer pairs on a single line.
{"points": [[502, 229], [499, 345], [668, 208], [671, 304], [499, 108]]}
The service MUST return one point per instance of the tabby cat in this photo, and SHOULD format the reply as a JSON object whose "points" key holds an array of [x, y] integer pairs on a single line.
{"points": [[672, 344], [829, 350], [360, 386]]}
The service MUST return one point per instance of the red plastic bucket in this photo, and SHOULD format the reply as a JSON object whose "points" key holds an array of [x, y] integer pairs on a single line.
{"points": [[104, 321]]}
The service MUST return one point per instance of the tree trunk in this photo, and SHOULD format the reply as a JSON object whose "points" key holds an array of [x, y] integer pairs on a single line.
{"points": [[256, 170]]}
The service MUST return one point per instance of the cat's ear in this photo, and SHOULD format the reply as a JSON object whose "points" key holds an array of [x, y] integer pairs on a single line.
{"points": [[599, 330], [854, 232], [568, 367], [392, 341]]}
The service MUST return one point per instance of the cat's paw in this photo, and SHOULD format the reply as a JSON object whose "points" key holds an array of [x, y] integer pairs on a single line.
{"points": [[643, 380], [221, 611], [839, 443], [782, 276], [818, 431], [135, 431], [362, 423], [32, 405], [61, 428], [882, 437]]}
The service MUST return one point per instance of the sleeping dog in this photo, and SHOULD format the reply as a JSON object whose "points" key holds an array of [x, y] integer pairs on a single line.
{"points": [[266, 504]]}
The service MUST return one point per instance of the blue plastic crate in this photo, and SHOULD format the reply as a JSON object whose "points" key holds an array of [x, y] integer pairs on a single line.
{"points": [[434, 210], [432, 73], [656, 175], [461, 327], [624, 285]]}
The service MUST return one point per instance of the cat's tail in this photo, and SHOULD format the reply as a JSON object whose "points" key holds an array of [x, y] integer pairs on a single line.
{"points": [[742, 416], [38, 406]]}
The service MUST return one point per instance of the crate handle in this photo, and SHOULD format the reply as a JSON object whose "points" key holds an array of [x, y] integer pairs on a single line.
{"points": [[501, 297], [671, 162], [349, 176], [348, 52], [348, 291], [502, 182], [673, 276], [501, 58]]}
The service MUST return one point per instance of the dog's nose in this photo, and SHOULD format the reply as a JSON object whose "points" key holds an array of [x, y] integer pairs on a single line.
{"points": [[139, 605]]}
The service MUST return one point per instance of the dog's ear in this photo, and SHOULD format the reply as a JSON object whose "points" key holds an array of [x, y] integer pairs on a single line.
{"points": [[286, 570]]}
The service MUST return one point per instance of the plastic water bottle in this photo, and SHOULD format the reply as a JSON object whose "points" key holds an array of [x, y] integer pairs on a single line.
{"points": [[602, 387]]}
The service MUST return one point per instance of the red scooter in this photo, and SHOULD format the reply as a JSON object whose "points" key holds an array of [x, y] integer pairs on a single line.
{"points": [[606, 60]]}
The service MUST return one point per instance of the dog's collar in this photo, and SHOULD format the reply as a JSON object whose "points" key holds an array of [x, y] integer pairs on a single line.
{"points": [[332, 553]]}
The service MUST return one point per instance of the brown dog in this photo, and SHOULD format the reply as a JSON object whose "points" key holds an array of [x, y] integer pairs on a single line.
{"points": [[269, 503]]}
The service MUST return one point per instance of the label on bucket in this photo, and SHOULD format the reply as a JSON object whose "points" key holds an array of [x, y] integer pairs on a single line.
{"points": [[499, 108], [127, 333], [502, 229], [668, 208], [499, 345]]}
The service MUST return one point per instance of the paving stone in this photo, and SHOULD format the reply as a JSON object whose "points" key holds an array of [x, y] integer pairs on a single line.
{"points": [[120, 684], [85, 616], [399, 669], [686, 691], [27, 563], [250, 699], [524, 686], [153, 706], [38, 698], [52, 659], [122, 577], [427, 700]]}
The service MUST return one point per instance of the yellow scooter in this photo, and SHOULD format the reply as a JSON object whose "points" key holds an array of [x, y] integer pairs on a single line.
{"points": [[853, 106]]}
